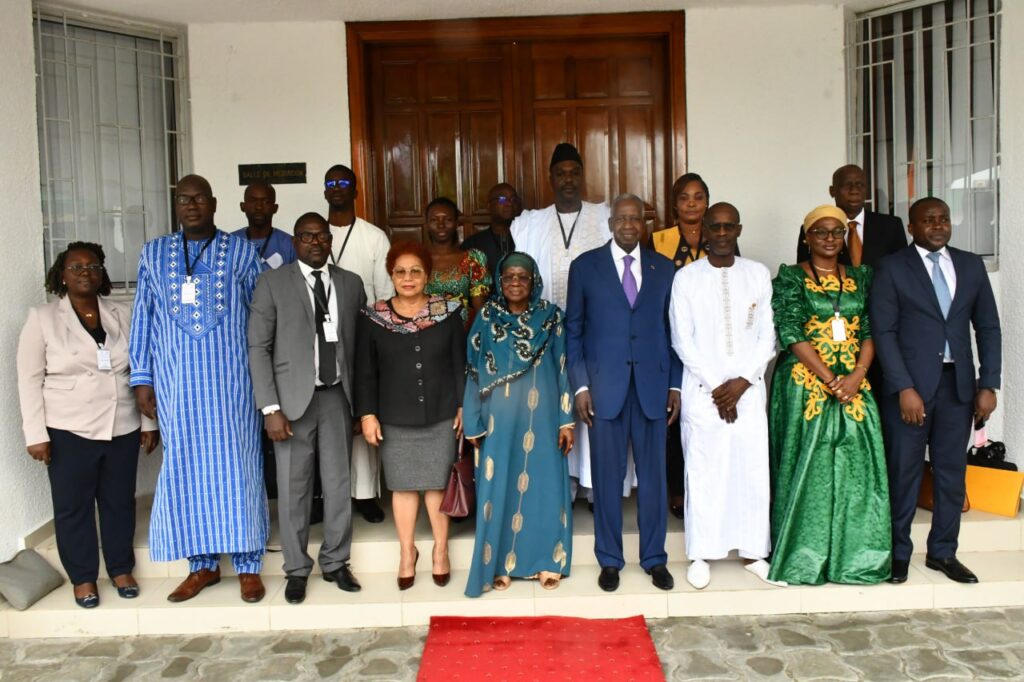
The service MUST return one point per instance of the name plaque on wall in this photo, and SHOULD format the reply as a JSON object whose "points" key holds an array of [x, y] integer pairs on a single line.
{"points": [[274, 173]]}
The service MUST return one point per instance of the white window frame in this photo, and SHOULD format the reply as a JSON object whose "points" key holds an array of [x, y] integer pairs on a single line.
{"points": [[862, 85], [165, 35]]}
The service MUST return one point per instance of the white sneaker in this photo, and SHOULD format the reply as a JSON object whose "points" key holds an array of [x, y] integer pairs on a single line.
{"points": [[760, 568], [699, 574]]}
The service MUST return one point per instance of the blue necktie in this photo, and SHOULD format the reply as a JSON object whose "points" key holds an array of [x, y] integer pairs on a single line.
{"points": [[941, 290]]}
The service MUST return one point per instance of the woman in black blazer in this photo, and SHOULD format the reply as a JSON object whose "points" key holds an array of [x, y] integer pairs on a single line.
{"points": [[410, 376]]}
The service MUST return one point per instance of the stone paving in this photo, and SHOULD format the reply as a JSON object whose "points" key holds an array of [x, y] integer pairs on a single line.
{"points": [[916, 645]]}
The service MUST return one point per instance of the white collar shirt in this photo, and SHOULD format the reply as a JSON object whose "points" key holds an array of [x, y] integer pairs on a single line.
{"points": [[332, 310], [619, 256]]}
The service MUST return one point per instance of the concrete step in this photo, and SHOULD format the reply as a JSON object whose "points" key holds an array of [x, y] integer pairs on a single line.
{"points": [[375, 546], [733, 591]]}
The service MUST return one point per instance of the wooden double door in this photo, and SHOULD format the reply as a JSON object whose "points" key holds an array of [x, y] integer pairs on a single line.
{"points": [[453, 108]]}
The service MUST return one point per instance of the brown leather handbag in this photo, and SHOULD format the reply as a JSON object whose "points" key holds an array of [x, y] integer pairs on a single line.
{"points": [[926, 497], [460, 494]]}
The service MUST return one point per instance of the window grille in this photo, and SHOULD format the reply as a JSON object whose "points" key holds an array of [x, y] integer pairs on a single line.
{"points": [[112, 134], [923, 111]]}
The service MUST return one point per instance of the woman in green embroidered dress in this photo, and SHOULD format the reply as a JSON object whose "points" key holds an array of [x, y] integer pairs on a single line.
{"points": [[830, 503], [518, 412]]}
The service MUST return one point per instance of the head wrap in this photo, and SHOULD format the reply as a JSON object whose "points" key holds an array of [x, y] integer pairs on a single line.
{"points": [[565, 152], [504, 345], [825, 211]]}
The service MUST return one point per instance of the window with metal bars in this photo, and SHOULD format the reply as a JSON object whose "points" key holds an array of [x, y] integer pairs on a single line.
{"points": [[112, 134], [923, 111]]}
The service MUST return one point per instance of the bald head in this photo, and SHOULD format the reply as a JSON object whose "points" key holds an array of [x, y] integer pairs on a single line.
{"points": [[195, 182], [262, 189], [721, 212]]}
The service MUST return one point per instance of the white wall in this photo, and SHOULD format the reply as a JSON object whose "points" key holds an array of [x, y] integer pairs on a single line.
{"points": [[23, 486], [265, 93], [766, 117]]}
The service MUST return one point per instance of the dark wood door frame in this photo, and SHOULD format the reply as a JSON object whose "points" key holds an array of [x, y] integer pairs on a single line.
{"points": [[360, 36]]}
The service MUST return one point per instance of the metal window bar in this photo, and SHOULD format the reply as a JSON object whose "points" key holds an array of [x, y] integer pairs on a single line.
{"points": [[64, 196], [916, 33]]}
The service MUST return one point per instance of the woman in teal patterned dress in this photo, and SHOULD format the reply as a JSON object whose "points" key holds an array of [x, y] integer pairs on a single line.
{"points": [[461, 275], [517, 410], [830, 506]]}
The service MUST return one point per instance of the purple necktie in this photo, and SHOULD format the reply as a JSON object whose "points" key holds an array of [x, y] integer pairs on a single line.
{"points": [[628, 280]]}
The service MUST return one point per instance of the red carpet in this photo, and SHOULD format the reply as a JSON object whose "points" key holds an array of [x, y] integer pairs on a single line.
{"points": [[544, 648]]}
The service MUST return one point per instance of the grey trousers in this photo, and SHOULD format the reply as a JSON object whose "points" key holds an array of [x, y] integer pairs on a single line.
{"points": [[326, 426]]}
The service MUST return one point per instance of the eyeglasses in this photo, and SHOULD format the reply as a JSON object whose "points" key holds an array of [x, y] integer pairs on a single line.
{"points": [[516, 279], [310, 237], [412, 273], [722, 227], [186, 199], [837, 233], [501, 199], [91, 268], [340, 184]]}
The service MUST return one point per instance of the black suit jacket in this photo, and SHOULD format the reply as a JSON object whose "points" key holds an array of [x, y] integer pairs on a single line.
{"points": [[883, 234], [910, 333]]}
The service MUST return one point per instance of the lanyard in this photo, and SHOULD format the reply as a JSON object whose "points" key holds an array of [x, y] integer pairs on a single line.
{"points": [[839, 294], [341, 253], [326, 304], [266, 243], [189, 266], [572, 230]]}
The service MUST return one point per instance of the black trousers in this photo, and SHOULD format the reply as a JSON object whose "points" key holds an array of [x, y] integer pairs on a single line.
{"points": [[674, 462], [86, 475], [946, 434]]}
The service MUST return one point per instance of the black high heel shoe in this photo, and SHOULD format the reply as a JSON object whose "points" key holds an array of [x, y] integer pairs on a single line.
{"points": [[406, 583]]}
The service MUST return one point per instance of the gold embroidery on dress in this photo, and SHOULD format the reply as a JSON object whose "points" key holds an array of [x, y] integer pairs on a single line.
{"points": [[510, 562], [489, 469], [533, 398], [558, 555], [490, 426], [488, 510], [565, 403], [830, 283], [517, 522], [528, 440], [524, 482], [487, 553]]}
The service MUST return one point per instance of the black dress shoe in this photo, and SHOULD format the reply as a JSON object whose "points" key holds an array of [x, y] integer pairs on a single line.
{"points": [[899, 571], [344, 578], [369, 510], [677, 512], [661, 578], [609, 579], [295, 589], [953, 569]]}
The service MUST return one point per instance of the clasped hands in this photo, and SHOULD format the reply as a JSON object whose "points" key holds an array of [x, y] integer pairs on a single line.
{"points": [[845, 386], [727, 396]]}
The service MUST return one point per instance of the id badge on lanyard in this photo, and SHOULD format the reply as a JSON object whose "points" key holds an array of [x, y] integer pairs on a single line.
{"points": [[838, 328], [103, 359]]}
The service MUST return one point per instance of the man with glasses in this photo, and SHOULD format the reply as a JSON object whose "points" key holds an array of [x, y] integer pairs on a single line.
{"points": [[301, 350], [274, 245], [495, 241], [362, 248], [188, 327], [723, 331]]}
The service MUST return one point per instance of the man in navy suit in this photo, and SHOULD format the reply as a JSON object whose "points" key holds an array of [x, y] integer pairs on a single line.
{"points": [[626, 379], [924, 300]]}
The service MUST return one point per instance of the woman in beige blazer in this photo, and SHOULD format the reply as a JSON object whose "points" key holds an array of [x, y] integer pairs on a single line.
{"points": [[80, 419]]}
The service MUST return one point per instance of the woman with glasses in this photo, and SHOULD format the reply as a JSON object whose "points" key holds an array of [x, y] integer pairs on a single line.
{"points": [[830, 503], [81, 421], [518, 413], [410, 375], [457, 274]]}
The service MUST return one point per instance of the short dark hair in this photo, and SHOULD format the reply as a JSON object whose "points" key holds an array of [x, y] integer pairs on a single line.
{"points": [[442, 201], [914, 207], [410, 248], [311, 215], [55, 275], [338, 167]]}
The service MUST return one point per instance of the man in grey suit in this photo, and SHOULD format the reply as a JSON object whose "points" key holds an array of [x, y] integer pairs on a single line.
{"points": [[301, 349]]}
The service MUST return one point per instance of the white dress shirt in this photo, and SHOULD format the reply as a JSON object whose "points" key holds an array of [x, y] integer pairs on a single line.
{"points": [[364, 253], [618, 255], [332, 311]]}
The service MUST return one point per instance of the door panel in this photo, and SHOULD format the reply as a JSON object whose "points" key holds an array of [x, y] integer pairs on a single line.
{"points": [[454, 121]]}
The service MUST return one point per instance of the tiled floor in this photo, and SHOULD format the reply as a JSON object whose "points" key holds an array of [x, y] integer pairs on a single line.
{"points": [[910, 645]]}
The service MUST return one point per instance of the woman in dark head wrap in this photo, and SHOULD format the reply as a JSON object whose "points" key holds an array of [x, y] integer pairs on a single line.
{"points": [[517, 411]]}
